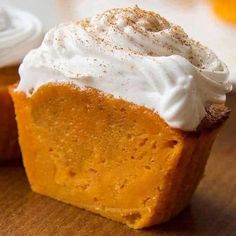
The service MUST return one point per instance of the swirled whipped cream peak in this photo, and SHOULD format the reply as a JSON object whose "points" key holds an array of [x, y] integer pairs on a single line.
{"points": [[20, 31], [134, 55]]}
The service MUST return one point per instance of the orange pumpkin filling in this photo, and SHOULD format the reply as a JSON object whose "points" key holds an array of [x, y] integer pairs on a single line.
{"points": [[107, 155]]}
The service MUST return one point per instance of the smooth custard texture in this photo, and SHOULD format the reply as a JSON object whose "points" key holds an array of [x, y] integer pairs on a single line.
{"points": [[107, 155]]}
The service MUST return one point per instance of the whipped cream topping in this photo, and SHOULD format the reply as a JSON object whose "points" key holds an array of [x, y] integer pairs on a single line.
{"points": [[134, 55], [19, 32]]}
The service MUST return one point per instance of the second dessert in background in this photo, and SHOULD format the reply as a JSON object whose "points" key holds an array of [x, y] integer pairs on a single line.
{"points": [[20, 32], [117, 114]]}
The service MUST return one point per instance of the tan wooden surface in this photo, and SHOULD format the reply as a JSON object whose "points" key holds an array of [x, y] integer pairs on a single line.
{"points": [[211, 212]]}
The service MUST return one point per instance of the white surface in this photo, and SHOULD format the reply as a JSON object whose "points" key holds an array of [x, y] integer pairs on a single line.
{"points": [[157, 67]]}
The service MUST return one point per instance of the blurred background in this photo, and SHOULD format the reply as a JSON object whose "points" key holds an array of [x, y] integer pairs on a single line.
{"points": [[213, 22]]}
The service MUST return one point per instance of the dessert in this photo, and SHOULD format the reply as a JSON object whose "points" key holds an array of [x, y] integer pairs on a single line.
{"points": [[117, 115], [19, 32]]}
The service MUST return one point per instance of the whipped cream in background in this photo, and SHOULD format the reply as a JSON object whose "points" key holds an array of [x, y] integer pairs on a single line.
{"points": [[134, 55], [20, 31]]}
